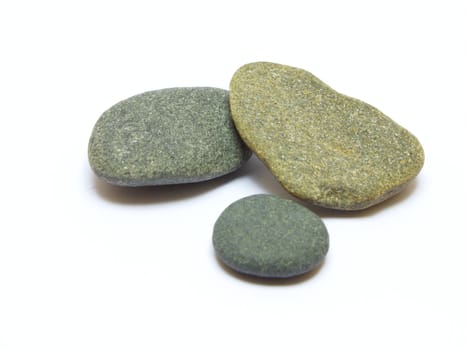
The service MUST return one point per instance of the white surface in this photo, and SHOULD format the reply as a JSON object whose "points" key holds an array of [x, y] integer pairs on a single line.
{"points": [[86, 266]]}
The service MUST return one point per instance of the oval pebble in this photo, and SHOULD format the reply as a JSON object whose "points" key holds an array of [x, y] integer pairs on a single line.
{"points": [[168, 136], [322, 146], [267, 236]]}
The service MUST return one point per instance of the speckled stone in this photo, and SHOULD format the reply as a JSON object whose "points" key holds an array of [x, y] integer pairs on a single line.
{"points": [[322, 146], [168, 136], [267, 236]]}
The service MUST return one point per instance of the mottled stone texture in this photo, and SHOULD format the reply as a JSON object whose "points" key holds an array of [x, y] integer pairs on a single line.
{"points": [[167, 136], [322, 146], [267, 236]]}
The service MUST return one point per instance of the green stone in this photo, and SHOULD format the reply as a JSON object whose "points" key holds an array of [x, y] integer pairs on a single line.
{"points": [[324, 147], [267, 236], [168, 136]]}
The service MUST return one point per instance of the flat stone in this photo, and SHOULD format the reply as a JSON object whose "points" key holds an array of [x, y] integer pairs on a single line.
{"points": [[267, 236], [324, 147], [168, 136]]}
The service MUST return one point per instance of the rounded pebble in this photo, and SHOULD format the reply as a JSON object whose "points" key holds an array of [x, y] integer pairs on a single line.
{"points": [[167, 136], [267, 236]]}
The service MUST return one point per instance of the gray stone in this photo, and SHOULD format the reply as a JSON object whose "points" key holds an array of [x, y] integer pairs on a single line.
{"points": [[267, 236], [168, 136]]}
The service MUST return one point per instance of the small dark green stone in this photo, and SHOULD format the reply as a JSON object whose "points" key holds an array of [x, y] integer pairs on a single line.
{"points": [[167, 136], [267, 236]]}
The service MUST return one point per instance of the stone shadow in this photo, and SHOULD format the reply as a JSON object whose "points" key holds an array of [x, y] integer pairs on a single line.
{"points": [[289, 281], [264, 179]]}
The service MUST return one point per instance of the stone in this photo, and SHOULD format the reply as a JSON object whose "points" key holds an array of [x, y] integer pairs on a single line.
{"points": [[267, 236], [324, 147], [169, 136]]}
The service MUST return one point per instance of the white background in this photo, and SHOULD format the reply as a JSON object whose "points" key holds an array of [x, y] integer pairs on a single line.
{"points": [[87, 266]]}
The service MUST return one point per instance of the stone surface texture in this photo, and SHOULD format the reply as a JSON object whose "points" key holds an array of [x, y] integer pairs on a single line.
{"points": [[168, 136], [267, 236], [324, 147]]}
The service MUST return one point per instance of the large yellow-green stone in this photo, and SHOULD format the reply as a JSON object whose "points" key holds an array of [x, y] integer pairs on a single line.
{"points": [[330, 149]]}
